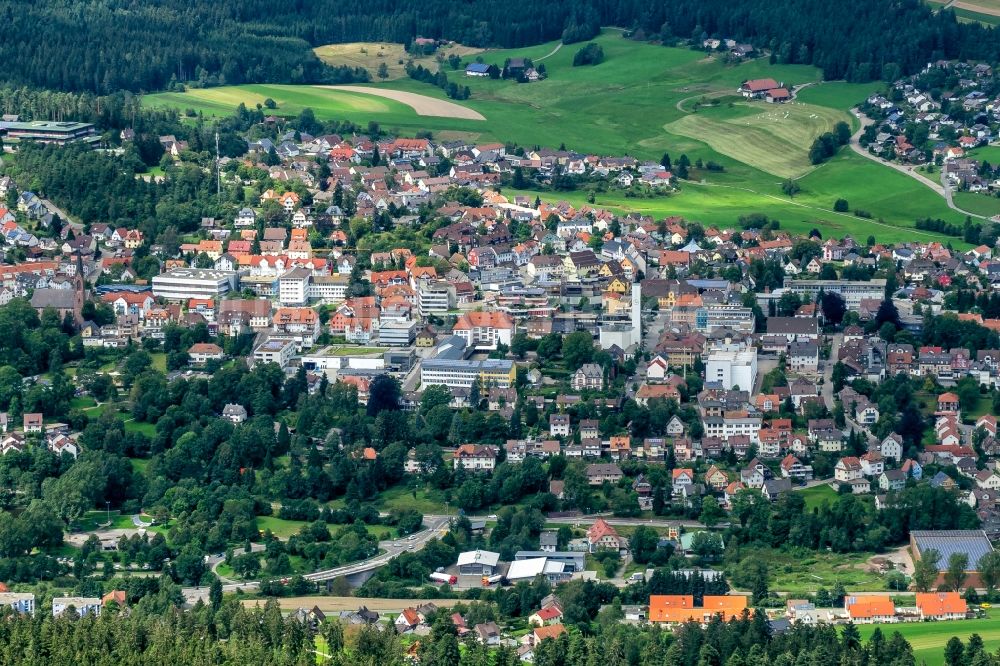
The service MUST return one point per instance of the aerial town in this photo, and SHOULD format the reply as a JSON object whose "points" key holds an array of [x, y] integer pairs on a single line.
{"points": [[429, 391]]}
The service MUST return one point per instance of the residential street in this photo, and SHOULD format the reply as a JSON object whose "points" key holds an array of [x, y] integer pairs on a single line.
{"points": [[826, 390]]}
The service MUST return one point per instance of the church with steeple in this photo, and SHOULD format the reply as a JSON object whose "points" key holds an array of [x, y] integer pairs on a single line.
{"points": [[64, 301]]}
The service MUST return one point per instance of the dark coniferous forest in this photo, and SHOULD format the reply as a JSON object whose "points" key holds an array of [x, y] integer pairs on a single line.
{"points": [[85, 45]]}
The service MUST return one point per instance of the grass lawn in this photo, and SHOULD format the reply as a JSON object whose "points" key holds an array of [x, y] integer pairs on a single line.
{"points": [[817, 495], [139, 465], [426, 501], [280, 527], [968, 16], [837, 94], [799, 573], [930, 176], [147, 429], [986, 5], [82, 402], [639, 102], [929, 638], [356, 351], [159, 361], [981, 204], [291, 100], [983, 406], [322, 649], [65, 550], [93, 520], [989, 154], [894, 200]]}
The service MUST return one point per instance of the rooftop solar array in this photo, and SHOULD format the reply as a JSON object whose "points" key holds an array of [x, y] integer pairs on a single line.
{"points": [[971, 542]]}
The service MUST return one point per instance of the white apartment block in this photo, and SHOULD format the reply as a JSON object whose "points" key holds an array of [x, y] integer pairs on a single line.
{"points": [[181, 284], [732, 368], [23, 603], [436, 298], [733, 425], [275, 351], [84, 605]]}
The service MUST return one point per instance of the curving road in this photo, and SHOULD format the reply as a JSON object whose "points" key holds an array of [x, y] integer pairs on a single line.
{"points": [[550, 53], [393, 549], [943, 189]]}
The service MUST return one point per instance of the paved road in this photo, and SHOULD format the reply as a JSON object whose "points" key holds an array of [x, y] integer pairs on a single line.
{"points": [[213, 561], [826, 390], [857, 427], [392, 549], [813, 484], [55, 210], [634, 522], [942, 189], [139, 522]]}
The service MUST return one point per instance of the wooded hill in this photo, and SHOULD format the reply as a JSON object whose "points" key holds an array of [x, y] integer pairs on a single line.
{"points": [[127, 44]]}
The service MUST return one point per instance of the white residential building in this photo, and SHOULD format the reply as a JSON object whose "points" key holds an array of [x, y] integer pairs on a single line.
{"points": [[275, 351], [485, 330], [20, 602], [436, 298], [476, 458], [84, 605]]}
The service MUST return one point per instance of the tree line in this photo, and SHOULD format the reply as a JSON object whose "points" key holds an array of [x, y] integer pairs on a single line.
{"points": [[130, 45], [225, 632]]}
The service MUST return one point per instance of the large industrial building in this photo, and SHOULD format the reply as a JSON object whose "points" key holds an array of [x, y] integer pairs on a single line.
{"points": [[971, 543]]}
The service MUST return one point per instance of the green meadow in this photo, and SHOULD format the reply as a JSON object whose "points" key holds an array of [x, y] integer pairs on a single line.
{"points": [[929, 638], [981, 204], [644, 100], [817, 496], [969, 16]]}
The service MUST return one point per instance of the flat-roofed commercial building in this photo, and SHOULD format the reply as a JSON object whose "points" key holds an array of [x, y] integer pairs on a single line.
{"points": [[47, 131], [457, 373], [186, 283], [853, 292], [731, 368], [399, 333], [736, 317]]}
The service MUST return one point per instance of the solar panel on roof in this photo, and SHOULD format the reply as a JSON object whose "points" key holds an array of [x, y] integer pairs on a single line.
{"points": [[972, 543]]}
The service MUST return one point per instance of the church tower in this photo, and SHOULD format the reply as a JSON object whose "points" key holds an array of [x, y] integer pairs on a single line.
{"points": [[79, 290]]}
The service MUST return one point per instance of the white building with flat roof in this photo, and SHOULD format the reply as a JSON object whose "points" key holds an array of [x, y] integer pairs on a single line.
{"points": [[275, 351], [19, 602], [293, 286], [436, 298], [181, 284], [732, 368], [458, 373], [853, 292], [397, 333], [84, 605]]}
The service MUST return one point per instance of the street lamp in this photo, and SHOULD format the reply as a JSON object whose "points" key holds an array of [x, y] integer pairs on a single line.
{"points": [[108, 505]]}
